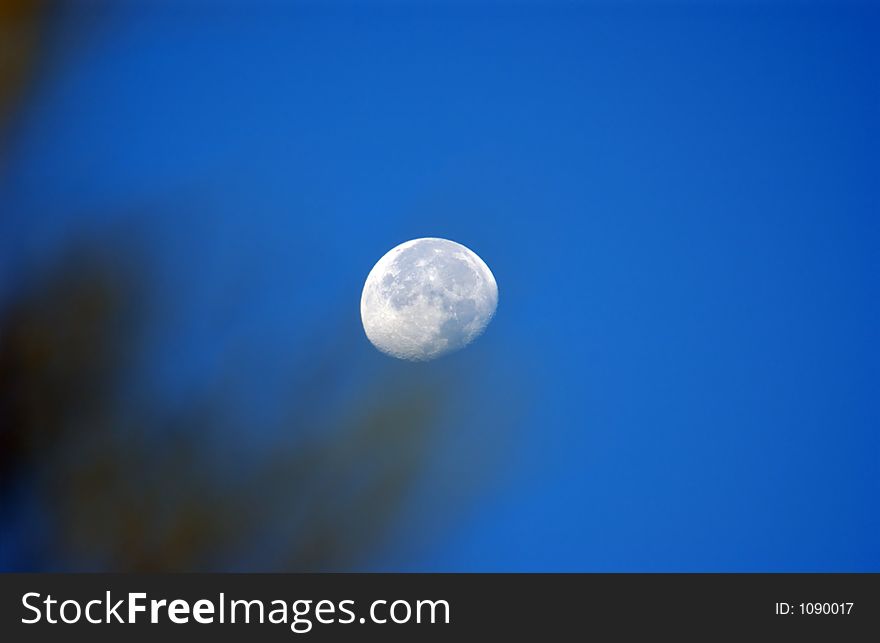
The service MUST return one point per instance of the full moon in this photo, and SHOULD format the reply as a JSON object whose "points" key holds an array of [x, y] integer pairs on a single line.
{"points": [[427, 297]]}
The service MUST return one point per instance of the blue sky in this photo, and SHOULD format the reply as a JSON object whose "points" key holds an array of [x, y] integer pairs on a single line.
{"points": [[679, 203]]}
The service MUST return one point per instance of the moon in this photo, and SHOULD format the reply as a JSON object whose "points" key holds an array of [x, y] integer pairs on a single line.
{"points": [[426, 298]]}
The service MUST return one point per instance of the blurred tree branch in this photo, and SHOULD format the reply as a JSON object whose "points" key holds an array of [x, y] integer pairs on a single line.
{"points": [[141, 488]]}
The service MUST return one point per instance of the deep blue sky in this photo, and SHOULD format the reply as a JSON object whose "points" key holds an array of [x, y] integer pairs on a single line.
{"points": [[680, 203]]}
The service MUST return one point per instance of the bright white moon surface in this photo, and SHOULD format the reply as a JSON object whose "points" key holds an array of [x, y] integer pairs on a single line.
{"points": [[427, 297]]}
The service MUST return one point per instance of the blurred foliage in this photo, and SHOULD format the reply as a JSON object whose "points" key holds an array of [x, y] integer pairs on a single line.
{"points": [[21, 22], [128, 486]]}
